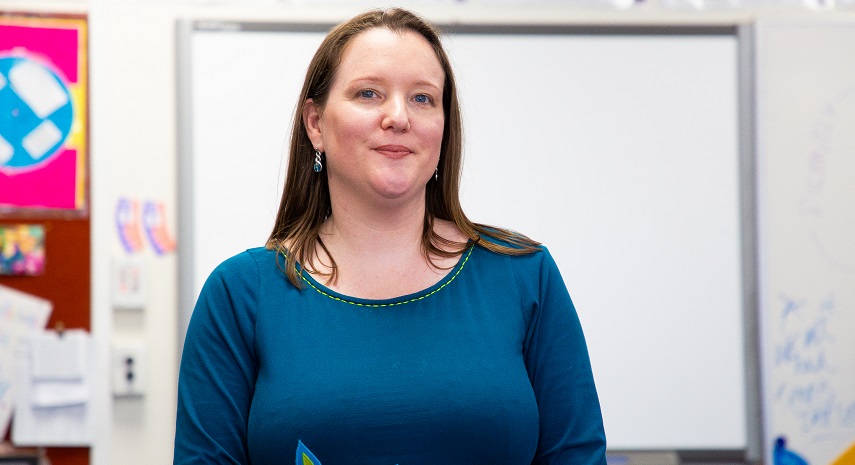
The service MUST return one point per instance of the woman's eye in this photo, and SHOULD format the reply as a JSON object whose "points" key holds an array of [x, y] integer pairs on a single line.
{"points": [[422, 98], [367, 93]]}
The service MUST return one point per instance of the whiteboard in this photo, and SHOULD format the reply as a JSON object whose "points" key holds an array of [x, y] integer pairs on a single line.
{"points": [[806, 187], [619, 148]]}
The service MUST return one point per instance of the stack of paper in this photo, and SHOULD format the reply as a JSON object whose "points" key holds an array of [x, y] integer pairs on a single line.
{"points": [[55, 373], [21, 316]]}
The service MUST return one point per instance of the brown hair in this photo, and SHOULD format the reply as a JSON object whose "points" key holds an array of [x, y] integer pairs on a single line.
{"points": [[305, 200]]}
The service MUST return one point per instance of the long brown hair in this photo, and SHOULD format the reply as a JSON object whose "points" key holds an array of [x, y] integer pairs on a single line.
{"points": [[305, 200]]}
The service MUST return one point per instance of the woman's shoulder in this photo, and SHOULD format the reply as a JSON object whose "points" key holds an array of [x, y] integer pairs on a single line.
{"points": [[529, 273], [247, 258], [243, 275], [516, 251], [243, 265]]}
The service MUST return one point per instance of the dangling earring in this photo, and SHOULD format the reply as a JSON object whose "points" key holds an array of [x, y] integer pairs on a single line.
{"points": [[436, 174], [318, 166]]}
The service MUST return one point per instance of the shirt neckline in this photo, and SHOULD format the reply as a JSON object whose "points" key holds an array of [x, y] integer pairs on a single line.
{"points": [[325, 291]]}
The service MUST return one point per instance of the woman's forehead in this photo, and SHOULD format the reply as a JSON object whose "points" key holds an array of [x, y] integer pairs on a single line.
{"points": [[380, 48]]}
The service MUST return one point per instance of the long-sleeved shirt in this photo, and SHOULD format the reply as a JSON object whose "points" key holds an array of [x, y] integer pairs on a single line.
{"points": [[487, 366]]}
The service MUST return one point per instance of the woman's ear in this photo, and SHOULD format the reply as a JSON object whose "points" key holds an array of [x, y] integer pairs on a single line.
{"points": [[312, 122]]}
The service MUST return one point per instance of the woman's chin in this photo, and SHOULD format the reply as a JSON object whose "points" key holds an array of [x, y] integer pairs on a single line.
{"points": [[394, 189]]}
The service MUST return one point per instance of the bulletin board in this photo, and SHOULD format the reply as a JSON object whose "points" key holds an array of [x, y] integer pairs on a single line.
{"points": [[626, 150], [65, 282], [43, 114], [43, 166]]}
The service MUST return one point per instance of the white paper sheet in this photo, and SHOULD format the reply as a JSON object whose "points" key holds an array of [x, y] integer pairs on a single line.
{"points": [[21, 315], [54, 412], [59, 357], [58, 368]]}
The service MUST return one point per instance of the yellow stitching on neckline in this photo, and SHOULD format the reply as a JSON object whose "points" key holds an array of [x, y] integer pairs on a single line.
{"points": [[446, 283]]}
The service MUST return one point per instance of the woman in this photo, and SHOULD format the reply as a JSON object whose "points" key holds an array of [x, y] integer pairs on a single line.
{"points": [[380, 325]]}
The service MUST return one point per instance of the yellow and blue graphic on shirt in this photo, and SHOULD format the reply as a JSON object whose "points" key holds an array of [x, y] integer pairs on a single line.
{"points": [[305, 456]]}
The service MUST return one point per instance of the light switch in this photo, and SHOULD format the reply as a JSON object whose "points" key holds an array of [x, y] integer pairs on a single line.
{"points": [[128, 283]]}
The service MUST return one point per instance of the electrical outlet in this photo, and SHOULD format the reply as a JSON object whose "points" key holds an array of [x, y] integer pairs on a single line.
{"points": [[128, 369]]}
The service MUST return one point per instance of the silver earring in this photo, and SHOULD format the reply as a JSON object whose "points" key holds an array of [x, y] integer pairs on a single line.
{"points": [[436, 174], [318, 166]]}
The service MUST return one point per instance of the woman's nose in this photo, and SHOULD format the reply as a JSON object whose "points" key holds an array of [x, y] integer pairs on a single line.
{"points": [[396, 116]]}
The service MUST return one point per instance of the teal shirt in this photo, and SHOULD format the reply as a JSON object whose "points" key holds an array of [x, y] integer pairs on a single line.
{"points": [[488, 366]]}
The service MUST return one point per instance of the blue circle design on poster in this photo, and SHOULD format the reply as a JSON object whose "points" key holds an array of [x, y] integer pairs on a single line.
{"points": [[36, 113]]}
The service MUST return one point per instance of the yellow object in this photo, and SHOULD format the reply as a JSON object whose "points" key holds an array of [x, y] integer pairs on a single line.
{"points": [[307, 460], [848, 457]]}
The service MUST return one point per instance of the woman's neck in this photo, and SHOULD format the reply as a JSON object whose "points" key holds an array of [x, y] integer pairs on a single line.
{"points": [[375, 234], [378, 252]]}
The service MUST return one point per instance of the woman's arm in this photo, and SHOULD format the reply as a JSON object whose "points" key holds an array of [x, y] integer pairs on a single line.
{"points": [[571, 423], [218, 368]]}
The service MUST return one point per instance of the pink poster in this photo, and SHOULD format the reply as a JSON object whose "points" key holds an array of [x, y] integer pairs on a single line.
{"points": [[43, 113]]}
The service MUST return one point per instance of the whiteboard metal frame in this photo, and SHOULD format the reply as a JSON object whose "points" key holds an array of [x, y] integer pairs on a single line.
{"points": [[750, 258]]}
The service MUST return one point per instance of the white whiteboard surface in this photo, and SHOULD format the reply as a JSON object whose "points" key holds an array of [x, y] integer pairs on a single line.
{"points": [[806, 187], [620, 151]]}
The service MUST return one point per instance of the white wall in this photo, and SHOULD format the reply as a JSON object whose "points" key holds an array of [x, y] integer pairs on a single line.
{"points": [[133, 154], [138, 138]]}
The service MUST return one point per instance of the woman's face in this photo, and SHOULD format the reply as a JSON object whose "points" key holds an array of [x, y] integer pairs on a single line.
{"points": [[382, 125]]}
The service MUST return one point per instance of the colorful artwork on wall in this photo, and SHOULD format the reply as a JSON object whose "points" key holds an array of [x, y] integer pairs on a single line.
{"points": [[43, 113], [132, 220], [128, 225], [154, 224], [22, 249]]}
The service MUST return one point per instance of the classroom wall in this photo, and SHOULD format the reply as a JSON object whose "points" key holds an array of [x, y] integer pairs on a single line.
{"points": [[138, 138], [133, 149]]}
